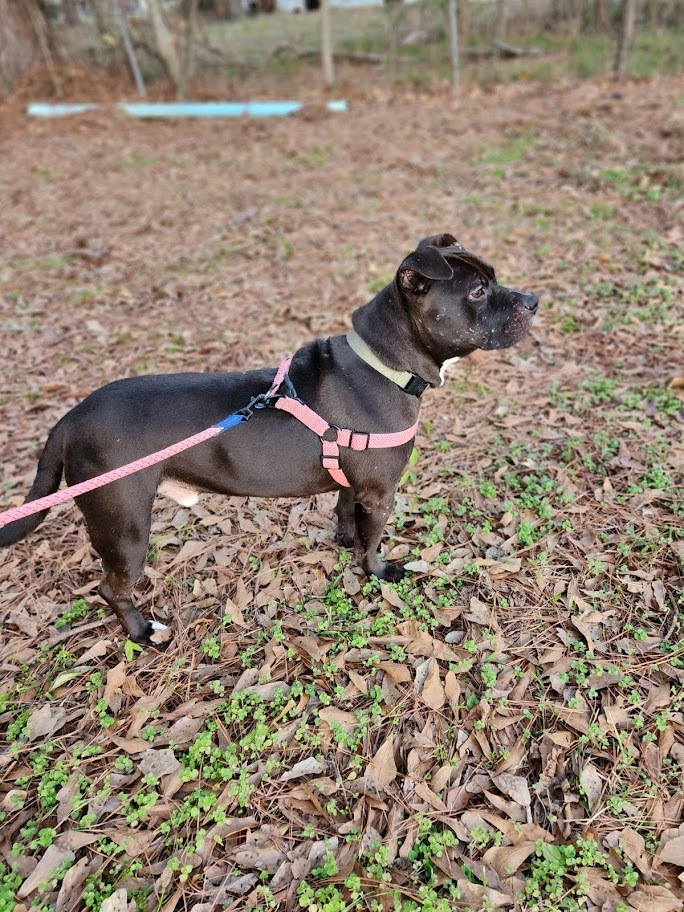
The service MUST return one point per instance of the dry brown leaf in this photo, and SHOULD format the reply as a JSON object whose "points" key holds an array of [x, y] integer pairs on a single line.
{"points": [[482, 897], [352, 586], [95, 652], [117, 902], [592, 785], [433, 690], [308, 767], [129, 745], [515, 758], [392, 597], [161, 762], [263, 858], [602, 892], [115, 679], [654, 899], [311, 647], [423, 791], [381, 769], [182, 732], [452, 688], [480, 612], [73, 879], [633, 846], [673, 852], [334, 715], [45, 721], [514, 786], [585, 629], [399, 673], [506, 860], [358, 681], [513, 811], [234, 612], [53, 859], [190, 549], [417, 566]]}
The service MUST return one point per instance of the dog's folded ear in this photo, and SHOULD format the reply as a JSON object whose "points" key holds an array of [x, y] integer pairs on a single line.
{"points": [[425, 264], [449, 247], [439, 240]]}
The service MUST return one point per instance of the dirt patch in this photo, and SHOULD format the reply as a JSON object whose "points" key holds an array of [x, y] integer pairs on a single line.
{"points": [[509, 719]]}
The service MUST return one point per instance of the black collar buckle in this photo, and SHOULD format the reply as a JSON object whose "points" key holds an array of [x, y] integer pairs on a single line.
{"points": [[416, 386]]}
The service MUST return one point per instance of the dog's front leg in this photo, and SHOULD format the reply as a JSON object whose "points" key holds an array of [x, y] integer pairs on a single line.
{"points": [[345, 517], [371, 511]]}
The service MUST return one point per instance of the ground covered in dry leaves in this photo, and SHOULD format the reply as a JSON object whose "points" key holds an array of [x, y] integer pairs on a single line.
{"points": [[505, 727]]}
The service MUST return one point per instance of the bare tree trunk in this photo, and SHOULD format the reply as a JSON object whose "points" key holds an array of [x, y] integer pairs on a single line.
{"points": [[98, 7], [166, 44], [500, 21], [625, 38], [188, 70], [326, 44], [462, 20], [42, 32], [393, 14], [128, 45], [228, 9], [19, 45], [70, 8], [453, 43], [600, 15]]}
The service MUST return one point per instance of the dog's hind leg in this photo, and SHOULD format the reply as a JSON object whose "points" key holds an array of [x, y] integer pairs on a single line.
{"points": [[119, 525], [345, 517]]}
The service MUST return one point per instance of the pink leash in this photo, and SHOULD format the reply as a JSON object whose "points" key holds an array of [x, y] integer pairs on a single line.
{"points": [[355, 440], [98, 481]]}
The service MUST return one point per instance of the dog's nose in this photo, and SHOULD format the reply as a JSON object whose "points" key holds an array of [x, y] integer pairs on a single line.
{"points": [[530, 301]]}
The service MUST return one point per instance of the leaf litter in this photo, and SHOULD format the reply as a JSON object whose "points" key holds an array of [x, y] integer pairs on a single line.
{"points": [[504, 728]]}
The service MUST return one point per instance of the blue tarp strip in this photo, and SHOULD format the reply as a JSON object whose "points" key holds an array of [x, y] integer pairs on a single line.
{"points": [[58, 110], [187, 109]]}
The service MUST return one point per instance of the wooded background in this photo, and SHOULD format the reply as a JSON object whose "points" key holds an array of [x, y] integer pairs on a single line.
{"points": [[146, 41]]}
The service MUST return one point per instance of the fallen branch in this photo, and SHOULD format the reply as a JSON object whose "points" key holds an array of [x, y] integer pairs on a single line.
{"points": [[352, 56], [500, 49]]}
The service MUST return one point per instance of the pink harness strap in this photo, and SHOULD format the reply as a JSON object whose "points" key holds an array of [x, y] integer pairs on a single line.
{"points": [[281, 373], [354, 440]]}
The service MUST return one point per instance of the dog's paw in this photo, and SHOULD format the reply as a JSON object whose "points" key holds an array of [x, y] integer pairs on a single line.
{"points": [[155, 636], [390, 573], [344, 538]]}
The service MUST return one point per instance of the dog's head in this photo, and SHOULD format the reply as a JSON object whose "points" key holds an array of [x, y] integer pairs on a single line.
{"points": [[455, 303]]}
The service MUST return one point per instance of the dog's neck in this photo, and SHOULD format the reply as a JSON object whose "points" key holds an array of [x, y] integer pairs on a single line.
{"points": [[384, 330], [405, 380]]}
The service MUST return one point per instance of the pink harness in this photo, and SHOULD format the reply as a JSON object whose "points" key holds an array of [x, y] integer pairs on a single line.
{"points": [[332, 438], [330, 459]]}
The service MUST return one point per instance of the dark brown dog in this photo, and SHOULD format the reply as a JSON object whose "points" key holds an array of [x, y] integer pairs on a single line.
{"points": [[443, 304]]}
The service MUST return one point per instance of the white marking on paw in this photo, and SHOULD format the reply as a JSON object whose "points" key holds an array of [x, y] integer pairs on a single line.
{"points": [[162, 633], [447, 364], [182, 493]]}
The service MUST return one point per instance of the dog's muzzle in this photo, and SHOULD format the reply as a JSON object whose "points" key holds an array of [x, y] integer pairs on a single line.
{"points": [[530, 301]]}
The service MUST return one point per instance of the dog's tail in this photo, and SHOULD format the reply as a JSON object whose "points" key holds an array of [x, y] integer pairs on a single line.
{"points": [[48, 477]]}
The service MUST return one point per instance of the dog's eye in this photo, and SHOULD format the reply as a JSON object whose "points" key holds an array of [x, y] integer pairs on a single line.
{"points": [[478, 292]]}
